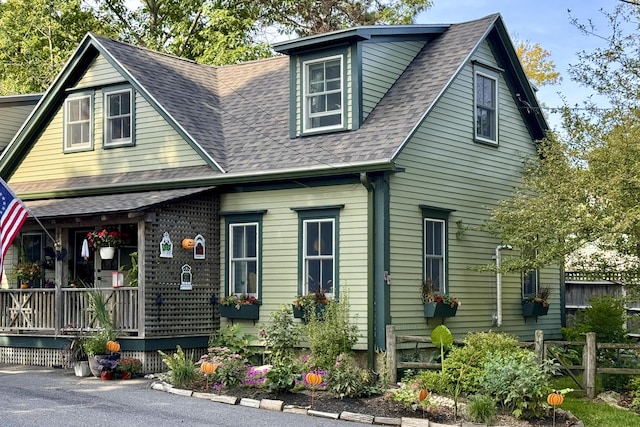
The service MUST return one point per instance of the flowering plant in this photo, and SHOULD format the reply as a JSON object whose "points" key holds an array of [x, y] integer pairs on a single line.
{"points": [[540, 297], [239, 300], [107, 365], [305, 302], [26, 271], [130, 365], [430, 295], [104, 238]]}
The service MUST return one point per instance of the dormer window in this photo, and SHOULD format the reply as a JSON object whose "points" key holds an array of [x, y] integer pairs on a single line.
{"points": [[77, 121], [323, 94], [118, 122]]}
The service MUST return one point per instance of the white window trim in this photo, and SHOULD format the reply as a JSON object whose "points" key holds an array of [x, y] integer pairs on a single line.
{"points": [[306, 117], [443, 280], [493, 77], [77, 147], [231, 275], [305, 257], [108, 141]]}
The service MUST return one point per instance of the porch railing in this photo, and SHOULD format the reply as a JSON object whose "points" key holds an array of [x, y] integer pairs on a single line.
{"points": [[50, 310]]}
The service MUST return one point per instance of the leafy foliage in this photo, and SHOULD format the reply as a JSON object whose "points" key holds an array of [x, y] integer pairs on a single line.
{"points": [[332, 335], [280, 336], [482, 408], [347, 379], [606, 317], [281, 378], [233, 338], [536, 61], [182, 369], [231, 367]]}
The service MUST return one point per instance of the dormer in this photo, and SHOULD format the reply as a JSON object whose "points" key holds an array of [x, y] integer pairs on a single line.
{"points": [[336, 79]]}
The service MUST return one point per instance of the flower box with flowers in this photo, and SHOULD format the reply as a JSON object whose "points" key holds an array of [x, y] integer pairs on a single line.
{"points": [[537, 304], [304, 304], [240, 307], [438, 304]]}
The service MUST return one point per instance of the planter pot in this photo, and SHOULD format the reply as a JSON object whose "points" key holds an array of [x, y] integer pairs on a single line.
{"points": [[106, 375], [534, 309], [299, 313], [246, 311], [81, 368], [439, 309], [126, 375], [107, 252]]}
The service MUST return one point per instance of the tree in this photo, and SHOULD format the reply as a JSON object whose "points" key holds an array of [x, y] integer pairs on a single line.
{"points": [[585, 187], [539, 68], [36, 38]]}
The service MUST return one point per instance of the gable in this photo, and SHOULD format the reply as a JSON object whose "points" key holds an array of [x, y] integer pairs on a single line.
{"points": [[156, 144], [14, 110]]}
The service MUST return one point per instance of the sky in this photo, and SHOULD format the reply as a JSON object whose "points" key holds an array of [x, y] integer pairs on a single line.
{"points": [[546, 22]]}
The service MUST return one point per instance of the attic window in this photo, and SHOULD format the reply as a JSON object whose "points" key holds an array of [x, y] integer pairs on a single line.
{"points": [[118, 111], [77, 123], [486, 106], [323, 107]]}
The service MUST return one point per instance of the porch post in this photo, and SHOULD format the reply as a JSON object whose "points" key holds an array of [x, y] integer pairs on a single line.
{"points": [[58, 309], [142, 250]]}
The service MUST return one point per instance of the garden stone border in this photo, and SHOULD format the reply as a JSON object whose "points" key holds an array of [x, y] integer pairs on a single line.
{"points": [[281, 406]]}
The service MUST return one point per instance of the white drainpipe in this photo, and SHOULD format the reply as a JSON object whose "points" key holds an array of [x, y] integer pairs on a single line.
{"points": [[498, 315]]}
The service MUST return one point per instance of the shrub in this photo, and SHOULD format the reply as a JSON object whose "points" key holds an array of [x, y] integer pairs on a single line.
{"points": [[231, 367], [182, 369], [517, 382], [347, 379], [481, 408], [408, 394], [634, 389], [465, 365], [280, 378], [606, 317], [280, 336], [433, 381], [233, 338], [332, 335]]}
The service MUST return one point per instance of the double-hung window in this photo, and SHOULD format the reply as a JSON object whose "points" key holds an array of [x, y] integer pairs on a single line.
{"points": [[77, 123], [118, 122], [434, 252], [243, 258], [323, 94], [486, 106], [530, 283]]}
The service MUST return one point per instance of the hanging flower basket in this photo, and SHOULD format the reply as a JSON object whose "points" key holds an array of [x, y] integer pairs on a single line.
{"points": [[107, 252]]}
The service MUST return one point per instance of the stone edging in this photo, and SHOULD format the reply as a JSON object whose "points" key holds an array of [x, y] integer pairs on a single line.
{"points": [[281, 406]]}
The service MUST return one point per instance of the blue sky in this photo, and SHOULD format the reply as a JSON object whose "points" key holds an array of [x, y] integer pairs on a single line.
{"points": [[541, 21]]}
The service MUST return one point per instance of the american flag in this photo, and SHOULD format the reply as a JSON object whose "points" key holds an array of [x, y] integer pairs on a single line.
{"points": [[13, 215]]}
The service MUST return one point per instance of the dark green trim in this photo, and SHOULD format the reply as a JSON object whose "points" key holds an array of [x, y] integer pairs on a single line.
{"points": [[242, 218], [371, 335], [563, 298], [251, 212], [436, 212], [356, 87], [319, 213], [295, 128], [298, 183], [317, 208], [442, 214], [381, 256]]}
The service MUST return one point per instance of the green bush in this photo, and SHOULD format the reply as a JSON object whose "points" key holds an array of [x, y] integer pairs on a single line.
{"points": [[606, 317], [231, 367], [634, 390], [464, 365], [434, 381], [517, 382], [280, 336], [233, 338], [482, 408], [347, 379], [182, 369], [332, 335], [281, 378]]}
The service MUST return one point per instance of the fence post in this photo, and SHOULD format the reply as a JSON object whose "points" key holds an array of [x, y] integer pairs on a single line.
{"points": [[589, 363], [391, 353], [539, 346]]}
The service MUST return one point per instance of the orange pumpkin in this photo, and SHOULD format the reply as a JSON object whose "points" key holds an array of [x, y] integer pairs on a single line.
{"points": [[423, 394], [555, 399], [188, 244], [313, 379], [208, 367], [113, 346]]}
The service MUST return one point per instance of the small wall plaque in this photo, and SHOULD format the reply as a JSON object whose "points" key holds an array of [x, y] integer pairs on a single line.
{"points": [[185, 278], [166, 247], [199, 248]]}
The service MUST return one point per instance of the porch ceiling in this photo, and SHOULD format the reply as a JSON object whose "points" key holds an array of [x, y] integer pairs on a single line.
{"points": [[107, 203]]}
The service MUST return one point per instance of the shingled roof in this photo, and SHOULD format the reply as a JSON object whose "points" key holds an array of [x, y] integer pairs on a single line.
{"points": [[237, 116]]}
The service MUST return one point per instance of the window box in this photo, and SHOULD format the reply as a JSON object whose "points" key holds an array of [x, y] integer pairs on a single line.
{"points": [[534, 309], [244, 311], [439, 309], [300, 313]]}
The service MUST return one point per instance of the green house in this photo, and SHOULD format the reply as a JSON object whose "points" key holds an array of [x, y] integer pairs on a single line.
{"points": [[359, 162]]}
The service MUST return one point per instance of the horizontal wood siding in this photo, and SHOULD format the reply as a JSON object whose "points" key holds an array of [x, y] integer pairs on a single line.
{"points": [[100, 72], [382, 64], [157, 146], [445, 168], [280, 242]]}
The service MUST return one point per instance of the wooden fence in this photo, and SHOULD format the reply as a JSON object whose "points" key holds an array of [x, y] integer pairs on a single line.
{"points": [[50, 310], [542, 349]]}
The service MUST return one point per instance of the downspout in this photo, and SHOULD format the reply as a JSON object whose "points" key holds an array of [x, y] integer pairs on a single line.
{"points": [[497, 318]]}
